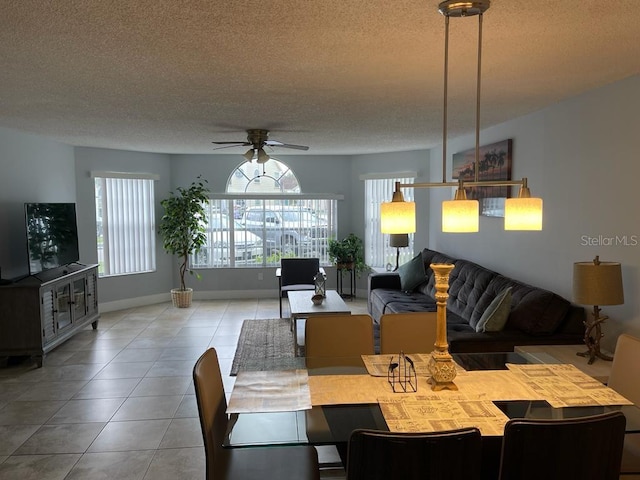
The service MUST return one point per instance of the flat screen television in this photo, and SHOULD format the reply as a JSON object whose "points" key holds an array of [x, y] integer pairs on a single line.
{"points": [[52, 235]]}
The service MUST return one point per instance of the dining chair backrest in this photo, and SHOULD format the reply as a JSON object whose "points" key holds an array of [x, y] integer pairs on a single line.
{"points": [[624, 377], [584, 448], [413, 332], [338, 335], [299, 462], [212, 406], [451, 455]]}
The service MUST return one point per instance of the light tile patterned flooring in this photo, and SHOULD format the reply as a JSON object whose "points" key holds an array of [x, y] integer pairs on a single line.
{"points": [[118, 403]]}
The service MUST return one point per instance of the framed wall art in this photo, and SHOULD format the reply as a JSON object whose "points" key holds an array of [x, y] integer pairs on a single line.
{"points": [[494, 164]]}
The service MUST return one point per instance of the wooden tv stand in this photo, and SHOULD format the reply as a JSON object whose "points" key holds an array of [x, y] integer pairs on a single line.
{"points": [[39, 312]]}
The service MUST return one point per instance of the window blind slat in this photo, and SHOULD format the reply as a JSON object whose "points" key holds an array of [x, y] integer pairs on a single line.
{"points": [[126, 225]]}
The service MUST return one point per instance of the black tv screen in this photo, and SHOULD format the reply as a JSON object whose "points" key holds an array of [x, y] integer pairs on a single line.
{"points": [[52, 235]]}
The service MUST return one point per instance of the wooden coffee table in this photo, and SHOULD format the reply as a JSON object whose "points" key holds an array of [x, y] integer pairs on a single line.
{"points": [[301, 306]]}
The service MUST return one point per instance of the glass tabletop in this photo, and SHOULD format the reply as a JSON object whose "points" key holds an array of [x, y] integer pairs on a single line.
{"points": [[323, 425]]}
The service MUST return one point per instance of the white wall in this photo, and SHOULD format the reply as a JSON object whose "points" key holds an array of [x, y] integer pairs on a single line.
{"points": [[582, 157], [123, 290], [33, 169]]}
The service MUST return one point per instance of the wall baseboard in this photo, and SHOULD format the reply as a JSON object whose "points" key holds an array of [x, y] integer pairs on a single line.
{"points": [[197, 295]]}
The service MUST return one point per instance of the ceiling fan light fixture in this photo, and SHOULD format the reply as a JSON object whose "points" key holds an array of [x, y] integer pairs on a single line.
{"points": [[249, 155], [262, 156]]}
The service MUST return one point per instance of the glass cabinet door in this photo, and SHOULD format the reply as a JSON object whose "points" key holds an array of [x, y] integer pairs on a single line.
{"points": [[63, 304], [79, 298]]}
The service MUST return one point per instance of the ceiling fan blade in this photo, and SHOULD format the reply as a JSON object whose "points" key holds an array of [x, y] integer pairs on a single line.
{"points": [[229, 146], [275, 143], [240, 144]]}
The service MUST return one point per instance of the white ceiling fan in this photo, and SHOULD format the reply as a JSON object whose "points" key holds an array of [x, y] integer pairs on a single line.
{"points": [[258, 139]]}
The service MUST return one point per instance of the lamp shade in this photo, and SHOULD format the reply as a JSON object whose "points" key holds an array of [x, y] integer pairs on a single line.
{"points": [[597, 283], [398, 217], [263, 157], [249, 155], [523, 214], [399, 240], [460, 216]]}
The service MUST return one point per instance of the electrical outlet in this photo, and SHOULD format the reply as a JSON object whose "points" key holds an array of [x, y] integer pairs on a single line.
{"points": [[260, 276]]}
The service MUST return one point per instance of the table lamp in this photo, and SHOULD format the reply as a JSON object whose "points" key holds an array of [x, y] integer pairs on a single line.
{"points": [[596, 283], [398, 240]]}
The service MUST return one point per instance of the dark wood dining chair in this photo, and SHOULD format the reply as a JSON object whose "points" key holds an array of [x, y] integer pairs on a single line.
{"points": [[446, 455], [581, 448], [261, 463], [296, 274]]}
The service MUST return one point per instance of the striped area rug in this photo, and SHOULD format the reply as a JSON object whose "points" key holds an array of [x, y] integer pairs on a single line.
{"points": [[265, 344]]}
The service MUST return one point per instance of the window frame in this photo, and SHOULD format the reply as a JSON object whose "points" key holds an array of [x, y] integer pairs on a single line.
{"points": [[125, 230], [312, 238]]}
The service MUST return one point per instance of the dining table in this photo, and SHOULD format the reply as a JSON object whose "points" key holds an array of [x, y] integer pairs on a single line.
{"points": [[324, 402]]}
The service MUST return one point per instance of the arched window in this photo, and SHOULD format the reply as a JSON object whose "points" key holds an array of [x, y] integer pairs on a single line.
{"points": [[263, 216], [272, 176]]}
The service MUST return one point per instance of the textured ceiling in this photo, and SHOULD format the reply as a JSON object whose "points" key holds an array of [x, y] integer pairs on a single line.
{"points": [[341, 76]]}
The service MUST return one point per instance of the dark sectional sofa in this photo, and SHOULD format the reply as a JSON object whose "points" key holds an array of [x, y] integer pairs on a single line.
{"points": [[537, 316]]}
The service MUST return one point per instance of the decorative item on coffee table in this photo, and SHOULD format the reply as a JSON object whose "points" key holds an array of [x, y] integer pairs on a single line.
{"points": [[320, 284], [596, 283], [441, 365], [183, 231]]}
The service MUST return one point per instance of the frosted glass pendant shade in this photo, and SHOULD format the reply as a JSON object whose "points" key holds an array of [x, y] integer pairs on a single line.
{"points": [[460, 216], [523, 214], [398, 217]]}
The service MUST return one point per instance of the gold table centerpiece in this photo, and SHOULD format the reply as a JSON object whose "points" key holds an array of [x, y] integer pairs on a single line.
{"points": [[441, 365]]}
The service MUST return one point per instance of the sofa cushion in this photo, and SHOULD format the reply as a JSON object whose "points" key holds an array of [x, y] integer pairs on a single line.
{"points": [[412, 273], [534, 311], [467, 283], [495, 316]]}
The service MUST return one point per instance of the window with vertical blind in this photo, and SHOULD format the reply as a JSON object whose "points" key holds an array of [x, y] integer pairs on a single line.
{"points": [[125, 223], [378, 189]]}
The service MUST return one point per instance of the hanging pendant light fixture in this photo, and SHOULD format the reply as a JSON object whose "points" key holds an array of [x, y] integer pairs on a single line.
{"points": [[398, 216], [461, 215], [524, 212]]}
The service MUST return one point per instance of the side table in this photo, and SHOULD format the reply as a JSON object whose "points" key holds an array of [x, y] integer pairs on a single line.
{"points": [[600, 369], [351, 273]]}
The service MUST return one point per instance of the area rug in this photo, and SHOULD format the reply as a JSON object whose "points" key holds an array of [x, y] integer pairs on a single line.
{"points": [[265, 344]]}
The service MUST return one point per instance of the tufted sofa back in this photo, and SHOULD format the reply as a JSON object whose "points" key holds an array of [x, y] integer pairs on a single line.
{"points": [[472, 288]]}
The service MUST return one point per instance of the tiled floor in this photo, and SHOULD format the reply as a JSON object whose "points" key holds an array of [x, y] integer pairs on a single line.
{"points": [[118, 403]]}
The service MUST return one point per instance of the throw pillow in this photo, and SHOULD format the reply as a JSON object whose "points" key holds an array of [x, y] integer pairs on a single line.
{"points": [[412, 273], [495, 316]]}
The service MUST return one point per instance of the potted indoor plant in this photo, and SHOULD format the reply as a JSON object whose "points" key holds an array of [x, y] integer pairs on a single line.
{"points": [[183, 231], [348, 253]]}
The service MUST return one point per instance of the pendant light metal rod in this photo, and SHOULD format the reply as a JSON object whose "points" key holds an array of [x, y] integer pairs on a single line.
{"points": [[446, 90], [479, 183], [477, 165]]}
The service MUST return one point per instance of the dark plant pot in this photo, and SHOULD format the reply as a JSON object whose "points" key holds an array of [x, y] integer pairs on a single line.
{"points": [[345, 265]]}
